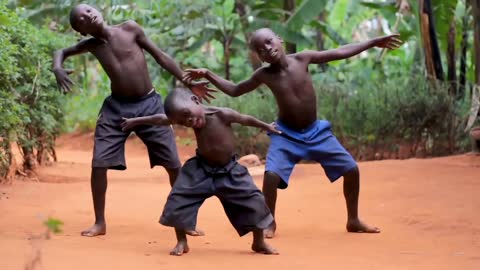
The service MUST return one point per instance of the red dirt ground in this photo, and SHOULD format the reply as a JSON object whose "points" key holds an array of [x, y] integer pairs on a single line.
{"points": [[428, 211]]}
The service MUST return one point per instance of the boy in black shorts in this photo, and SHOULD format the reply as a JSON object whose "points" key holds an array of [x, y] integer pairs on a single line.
{"points": [[214, 171], [120, 51]]}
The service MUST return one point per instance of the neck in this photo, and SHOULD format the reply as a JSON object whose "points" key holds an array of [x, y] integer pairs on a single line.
{"points": [[282, 62], [102, 33]]}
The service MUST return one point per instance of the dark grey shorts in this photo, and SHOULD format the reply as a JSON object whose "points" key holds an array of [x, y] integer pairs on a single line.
{"points": [[109, 147], [242, 201]]}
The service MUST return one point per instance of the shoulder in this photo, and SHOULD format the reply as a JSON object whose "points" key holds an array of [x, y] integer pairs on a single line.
{"points": [[225, 113], [87, 43], [301, 56], [259, 73], [131, 26]]}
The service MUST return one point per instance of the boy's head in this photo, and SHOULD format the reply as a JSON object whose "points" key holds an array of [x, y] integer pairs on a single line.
{"points": [[86, 19], [184, 108], [267, 45]]}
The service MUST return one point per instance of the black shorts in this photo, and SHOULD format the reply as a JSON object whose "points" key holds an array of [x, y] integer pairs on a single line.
{"points": [[109, 147], [242, 201]]}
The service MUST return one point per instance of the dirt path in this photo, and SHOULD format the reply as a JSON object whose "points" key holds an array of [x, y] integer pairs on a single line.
{"points": [[428, 211]]}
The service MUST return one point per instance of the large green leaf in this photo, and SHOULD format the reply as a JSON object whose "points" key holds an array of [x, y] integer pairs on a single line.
{"points": [[288, 35], [444, 13], [307, 11]]}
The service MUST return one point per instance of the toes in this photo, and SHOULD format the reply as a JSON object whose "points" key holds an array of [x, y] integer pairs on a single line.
{"points": [[176, 252], [195, 233]]}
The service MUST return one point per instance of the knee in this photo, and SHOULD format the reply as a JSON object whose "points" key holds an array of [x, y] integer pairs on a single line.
{"points": [[271, 179], [353, 172], [173, 173], [99, 172]]}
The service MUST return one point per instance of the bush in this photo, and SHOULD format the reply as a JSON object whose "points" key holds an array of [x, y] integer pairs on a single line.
{"points": [[30, 104]]}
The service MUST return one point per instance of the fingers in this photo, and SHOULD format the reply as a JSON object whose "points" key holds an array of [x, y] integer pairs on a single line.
{"points": [[207, 99], [66, 87], [187, 78], [211, 90], [69, 71], [208, 95]]}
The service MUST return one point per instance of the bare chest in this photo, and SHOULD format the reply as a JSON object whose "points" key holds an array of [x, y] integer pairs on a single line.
{"points": [[288, 81], [120, 46]]}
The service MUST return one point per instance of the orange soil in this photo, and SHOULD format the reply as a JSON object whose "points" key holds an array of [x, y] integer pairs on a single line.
{"points": [[428, 211]]}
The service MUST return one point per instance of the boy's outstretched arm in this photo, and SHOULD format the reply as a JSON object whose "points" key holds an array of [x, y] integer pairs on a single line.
{"points": [[61, 75], [318, 57], [152, 120], [232, 116], [164, 60], [228, 87]]}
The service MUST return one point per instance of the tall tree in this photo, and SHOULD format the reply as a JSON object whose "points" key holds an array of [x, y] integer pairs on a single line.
{"points": [[476, 39], [289, 6], [451, 58], [433, 58], [463, 53]]}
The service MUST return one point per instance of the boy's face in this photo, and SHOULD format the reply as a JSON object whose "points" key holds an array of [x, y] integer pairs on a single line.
{"points": [[190, 115], [268, 46], [87, 19]]}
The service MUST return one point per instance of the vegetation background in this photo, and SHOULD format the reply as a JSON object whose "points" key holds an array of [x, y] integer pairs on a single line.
{"points": [[419, 100]]}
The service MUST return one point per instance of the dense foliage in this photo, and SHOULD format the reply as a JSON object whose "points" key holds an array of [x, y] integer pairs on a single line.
{"points": [[30, 105], [383, 104]]}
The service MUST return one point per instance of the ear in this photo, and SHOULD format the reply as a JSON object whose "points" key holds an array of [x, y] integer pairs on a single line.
{"points": [[279, 38]]}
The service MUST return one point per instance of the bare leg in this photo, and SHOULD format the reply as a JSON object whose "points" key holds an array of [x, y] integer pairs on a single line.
{"points": [[172, 174], [269, 189], [99, 188], [182, 245], [351, 190], [260, 246]]}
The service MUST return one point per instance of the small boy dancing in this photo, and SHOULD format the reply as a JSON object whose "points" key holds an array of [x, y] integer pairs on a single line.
{"points": [[214, 171]]}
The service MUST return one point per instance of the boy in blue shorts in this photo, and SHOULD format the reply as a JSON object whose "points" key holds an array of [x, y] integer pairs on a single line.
{"points": [[303, 136]]}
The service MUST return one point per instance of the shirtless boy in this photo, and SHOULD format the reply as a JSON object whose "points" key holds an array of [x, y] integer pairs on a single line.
{"points": [[303, 136], [120, 51]]}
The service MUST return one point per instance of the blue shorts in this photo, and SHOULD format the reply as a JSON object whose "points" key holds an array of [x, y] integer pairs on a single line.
{"points": [[316, 143]]}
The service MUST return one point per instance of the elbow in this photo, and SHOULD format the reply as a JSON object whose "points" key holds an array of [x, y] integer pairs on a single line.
{"points": [[235, 92]]}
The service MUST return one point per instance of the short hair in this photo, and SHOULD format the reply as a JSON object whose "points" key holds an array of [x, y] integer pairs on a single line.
{"points": [[73, 20], [254, 35], [177, 99]]}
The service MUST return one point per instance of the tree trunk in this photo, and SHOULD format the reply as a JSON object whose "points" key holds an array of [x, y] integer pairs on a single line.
{"points": [[226, 56], [433, 59], [241, 10], [289, 5], [427, 48], [320, 41], [476, 39], [463, 54], [451, 59]]}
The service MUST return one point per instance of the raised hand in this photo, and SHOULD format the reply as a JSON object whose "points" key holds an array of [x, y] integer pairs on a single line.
{"points": [[201, 90], [389, 42], [63, 81], [195, 74]]}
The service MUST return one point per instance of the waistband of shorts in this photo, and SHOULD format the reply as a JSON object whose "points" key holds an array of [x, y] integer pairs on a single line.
{"points": [[285, 127], [150, 94], [224, 169]]}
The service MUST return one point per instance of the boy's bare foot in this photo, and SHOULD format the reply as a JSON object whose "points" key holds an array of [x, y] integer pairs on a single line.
{"points": [[180, 249], [270, 231], [195, 232], [360, 227], [96, 229], [264, 248]]}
